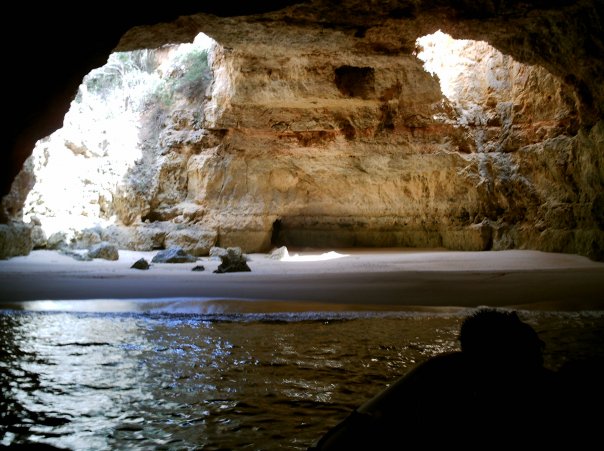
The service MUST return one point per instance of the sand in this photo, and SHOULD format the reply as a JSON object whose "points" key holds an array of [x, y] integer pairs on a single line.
{"points": [[321, 280]]}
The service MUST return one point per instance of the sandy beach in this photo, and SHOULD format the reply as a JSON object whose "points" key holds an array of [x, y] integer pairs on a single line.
{"points": [[321, 280]]}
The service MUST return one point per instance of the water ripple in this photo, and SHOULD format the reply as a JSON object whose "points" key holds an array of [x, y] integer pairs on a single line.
{"points": [[129, 381]]}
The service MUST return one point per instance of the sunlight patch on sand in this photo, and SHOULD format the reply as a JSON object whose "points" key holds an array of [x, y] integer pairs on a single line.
{"points": [[332, 255]]}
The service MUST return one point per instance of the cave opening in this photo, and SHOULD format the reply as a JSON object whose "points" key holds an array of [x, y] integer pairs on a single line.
{"points": [[101, 170]]}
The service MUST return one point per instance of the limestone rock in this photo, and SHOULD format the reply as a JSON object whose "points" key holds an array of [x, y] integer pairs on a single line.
{"points": [[86, 238], [279, 254], [233, 261], [139, 237], [57, 240], [81, 256], [38, 237], [104, 250], [15, 239], [194, 240], [11, 205], [217, 252], [173, 255]]}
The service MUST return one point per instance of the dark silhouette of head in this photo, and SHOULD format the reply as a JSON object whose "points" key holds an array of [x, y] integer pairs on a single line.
{"points": [[500, 338]]}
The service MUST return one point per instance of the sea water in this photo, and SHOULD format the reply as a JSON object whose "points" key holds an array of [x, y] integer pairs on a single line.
{"points": [[158, 380]]}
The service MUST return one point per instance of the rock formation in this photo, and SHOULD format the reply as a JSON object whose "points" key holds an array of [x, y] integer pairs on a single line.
{"points": [[173, 254], [104, 250], [232, 260], [325, 125], [141, 264]]}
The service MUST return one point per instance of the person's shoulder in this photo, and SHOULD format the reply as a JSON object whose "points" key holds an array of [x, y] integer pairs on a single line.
{"points": [[439, 373]]}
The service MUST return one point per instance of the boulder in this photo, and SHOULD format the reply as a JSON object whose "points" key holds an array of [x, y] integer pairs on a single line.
{"points": [[15, 239], [141, 263], [173, 254], [280, 253], [57, 240], [233, 261], [194, 240], [81, 256], [87, 238], [217, 253], [104, 250]]}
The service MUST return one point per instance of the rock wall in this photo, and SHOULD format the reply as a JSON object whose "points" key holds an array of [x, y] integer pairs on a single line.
{"points": [[310, 135]]}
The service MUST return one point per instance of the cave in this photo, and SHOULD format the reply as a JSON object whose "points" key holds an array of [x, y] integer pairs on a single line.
{"points": [[387, 134], [468, 127]]}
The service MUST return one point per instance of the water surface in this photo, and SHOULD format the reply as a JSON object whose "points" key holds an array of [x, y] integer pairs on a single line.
{"points": [[140, 381]]}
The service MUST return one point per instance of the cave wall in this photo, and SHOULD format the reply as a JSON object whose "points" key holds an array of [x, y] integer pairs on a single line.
{"points": [[343, 138], [328, 125]]}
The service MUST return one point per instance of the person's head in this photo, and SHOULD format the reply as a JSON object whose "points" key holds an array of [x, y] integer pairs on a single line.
{"points": [[501, 338]]}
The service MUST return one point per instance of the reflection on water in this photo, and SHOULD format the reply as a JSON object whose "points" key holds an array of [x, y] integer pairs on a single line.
{"points": [[270, 381]]}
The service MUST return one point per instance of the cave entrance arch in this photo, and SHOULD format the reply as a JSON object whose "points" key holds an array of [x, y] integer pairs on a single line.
{"points": [[120, 158]]}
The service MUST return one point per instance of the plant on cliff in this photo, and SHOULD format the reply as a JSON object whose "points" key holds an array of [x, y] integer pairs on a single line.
{"points": [[129, 72], [196, 73], [185, 76], [188, 75], [105, 164]]}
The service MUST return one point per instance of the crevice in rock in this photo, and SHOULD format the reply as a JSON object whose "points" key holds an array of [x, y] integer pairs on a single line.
{"points": [[277, 239], [355, 81]]}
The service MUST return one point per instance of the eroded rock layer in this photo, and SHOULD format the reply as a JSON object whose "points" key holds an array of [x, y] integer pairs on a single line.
{"points": [[352, 134]]}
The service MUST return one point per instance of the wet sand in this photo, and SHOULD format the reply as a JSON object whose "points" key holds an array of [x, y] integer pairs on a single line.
{"points": [[313, 280]]}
